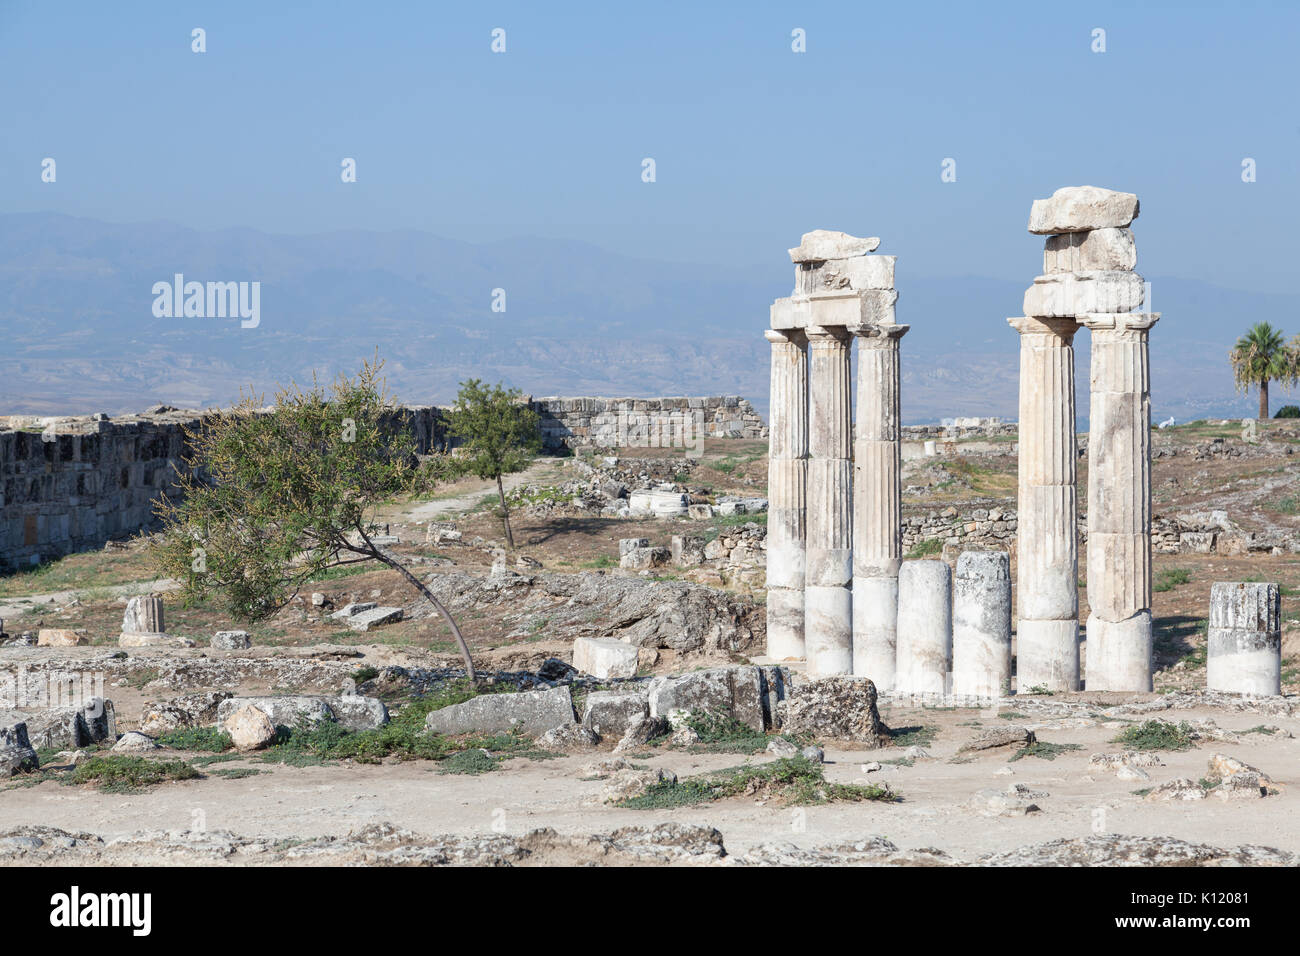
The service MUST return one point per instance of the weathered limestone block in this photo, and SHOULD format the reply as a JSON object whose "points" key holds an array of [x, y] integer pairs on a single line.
{"points": [[375, 617], [604, 657], [924, 627], [981, 624], [840, 708], [1082, 208], [534, 712], [1099, 250], [661, 504], [1245, 639], [644, 559], [1069, 294], [631, 544], [286, 711], [822, 244], [249, 728], [61, 637], [744, 693], [853, 308], [190, 710], [231, 641], [687, 550], [610, 713]]}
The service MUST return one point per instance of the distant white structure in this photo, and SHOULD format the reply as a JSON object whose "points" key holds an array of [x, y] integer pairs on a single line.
{"points": [[1167, 422]]}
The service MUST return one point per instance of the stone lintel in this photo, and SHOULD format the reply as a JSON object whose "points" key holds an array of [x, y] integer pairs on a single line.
{"points": [[1119, 321], [822, 333], [786, 336]]}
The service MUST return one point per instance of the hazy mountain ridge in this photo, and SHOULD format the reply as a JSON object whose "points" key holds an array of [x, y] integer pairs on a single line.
{"points": [[80, 336]]}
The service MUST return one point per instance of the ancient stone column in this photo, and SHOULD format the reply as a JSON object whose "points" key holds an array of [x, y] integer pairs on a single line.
{"points": [[144, 615], [981, 625], [1244, 647], [1119, 503], [877, 505], [828, 600], [787, 477], [1046, 535], [924, 628]]}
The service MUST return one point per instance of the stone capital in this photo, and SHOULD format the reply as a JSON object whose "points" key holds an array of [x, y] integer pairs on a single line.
{"points": [[786, 337], [1119, 321], [1061, 329], [827, 335], [879, 335]]}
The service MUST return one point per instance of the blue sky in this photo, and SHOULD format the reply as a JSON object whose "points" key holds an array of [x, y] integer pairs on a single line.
{"points": [[754, 144]]}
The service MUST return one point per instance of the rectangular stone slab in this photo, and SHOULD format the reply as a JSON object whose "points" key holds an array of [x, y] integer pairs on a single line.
{"points": [[1080, 208], [534, 712]]}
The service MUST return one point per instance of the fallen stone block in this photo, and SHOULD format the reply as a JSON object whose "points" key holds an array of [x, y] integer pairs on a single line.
{"points": [[631, 544], [841, 708], [231, 641], [734, 691], [249, 728], [1246, 785], [1001, 737], [61, 637], [375, 617], [641, 732], [645, 559], [350, 610], [569, 737], [822, 244], [604, 657], [285, 711], [154, 640], [534, 712], [134, 743], [355, 712], [180, 713], [624, 784], [1179, 789], [610, 713]]}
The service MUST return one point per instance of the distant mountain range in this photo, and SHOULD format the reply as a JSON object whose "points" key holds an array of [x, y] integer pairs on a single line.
{"points": [[80, 335]]}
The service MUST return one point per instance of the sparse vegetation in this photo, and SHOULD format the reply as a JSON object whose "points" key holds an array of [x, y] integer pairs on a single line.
{"points": [[1043, 750], [927, 548], [1157, 735], [1170, 578], [196, 738], [794, 781], [118, 773]]}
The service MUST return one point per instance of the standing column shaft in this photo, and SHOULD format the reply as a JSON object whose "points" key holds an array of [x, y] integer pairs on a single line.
{"points": [[1047, 537], [981, 625], [877, 506], [924, 628], [828, 600], [787, 477], [1119, 503]]}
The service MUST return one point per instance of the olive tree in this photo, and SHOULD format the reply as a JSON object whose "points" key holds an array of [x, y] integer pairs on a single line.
{"points": [[498, 435], [274, 497]]}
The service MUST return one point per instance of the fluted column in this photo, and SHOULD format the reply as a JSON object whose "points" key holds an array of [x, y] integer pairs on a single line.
{"points": [[1047, 538], [828, 600], [877, 505], [1119, 503], [787, 477]]}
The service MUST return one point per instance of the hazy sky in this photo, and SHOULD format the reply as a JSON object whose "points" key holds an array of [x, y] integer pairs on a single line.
{"points": [[753, 143]]}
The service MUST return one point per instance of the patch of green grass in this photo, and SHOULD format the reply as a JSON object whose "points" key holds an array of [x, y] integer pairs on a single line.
{"points": [[1170, 578], [469, 761], [119, 773], [196, 738], [927, 548], [1043, 750], [1261, 729], [601, 561], [795, 781], [363, 674], [237, 773], [1013, 715], [919, 736], [217, 758], [722, 733], [1157, 735], [1037, 690], [1289, 506]]}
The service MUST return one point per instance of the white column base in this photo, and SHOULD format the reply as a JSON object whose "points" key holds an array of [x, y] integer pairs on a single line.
{"points": [[1119, 653], [1047, 655], [875, 630]]}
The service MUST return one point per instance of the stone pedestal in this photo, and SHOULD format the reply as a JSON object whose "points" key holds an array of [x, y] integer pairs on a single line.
{"points": [[877, 505], [1047, 540], [1245, 639], [981, 625], [924, 628], [787, 477], [828, 600], [1119, 503]]}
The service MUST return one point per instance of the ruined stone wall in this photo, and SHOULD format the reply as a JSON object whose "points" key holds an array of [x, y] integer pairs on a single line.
{"points": [[71, 484], [645, 422]]}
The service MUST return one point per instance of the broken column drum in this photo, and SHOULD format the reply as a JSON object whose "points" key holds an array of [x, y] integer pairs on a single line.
{"points": [[1244, 643], [981, 625], [924, 628]]}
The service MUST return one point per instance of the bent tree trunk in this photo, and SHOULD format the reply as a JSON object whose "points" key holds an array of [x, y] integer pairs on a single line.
{"points": [[1263, 398], [505, 514], [446, 615]]}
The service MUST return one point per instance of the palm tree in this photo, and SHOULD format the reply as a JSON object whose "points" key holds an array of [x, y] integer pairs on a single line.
{"points": [[1261, 355]]}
